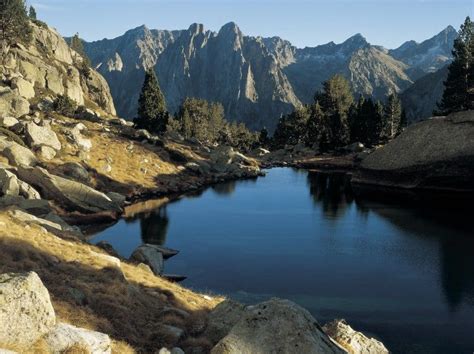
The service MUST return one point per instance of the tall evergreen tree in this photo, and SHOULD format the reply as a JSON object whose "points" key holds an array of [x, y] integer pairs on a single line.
{"points": [[14, 24], [315, 126], [336, 100], [152, 113], [393, 115], [32, 13], [459, 86]]}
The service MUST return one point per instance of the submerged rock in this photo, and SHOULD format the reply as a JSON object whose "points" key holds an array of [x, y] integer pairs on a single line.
{"points": [[352, 341], [150, 256], [26, 312]]}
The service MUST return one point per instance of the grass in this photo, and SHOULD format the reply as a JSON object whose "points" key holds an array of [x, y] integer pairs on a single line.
{"points": [[126, 304]]}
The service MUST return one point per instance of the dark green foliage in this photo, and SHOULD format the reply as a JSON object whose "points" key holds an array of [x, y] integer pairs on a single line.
{"points": [[206, 122], [32, 13], [263, 138], [291, 129], [65, 106], [78, 46], [459, 86], [14, 22], [152, 113]]}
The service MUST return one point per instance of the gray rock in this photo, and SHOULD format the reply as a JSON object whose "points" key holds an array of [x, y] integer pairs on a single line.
{"points": [[436, 154], [222, 319], [351, 340], [24, 87], [16, 154], [74, 171], [65, 336], [8, 122], [149, 256], [70, 194], [46, 152], [276, 326], [26, 312], [117, 197], [75, 135], [12, 104], [37, 136], [9, 183]]}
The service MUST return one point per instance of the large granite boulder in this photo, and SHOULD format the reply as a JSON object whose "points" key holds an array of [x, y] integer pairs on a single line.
{"points": [[276, 326], [12, 104], [437, 154], [71, 194], [354, 342], [17, 154], [66, 336], [37, 136], [26, 312]]}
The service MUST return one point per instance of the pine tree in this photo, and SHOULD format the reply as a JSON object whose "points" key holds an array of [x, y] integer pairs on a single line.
{"points": [[315, 124], [263, 138], [152, 113], [459, 86], [393, 115], [14, 24], [78, 46], [336, 100], [32, 14]]}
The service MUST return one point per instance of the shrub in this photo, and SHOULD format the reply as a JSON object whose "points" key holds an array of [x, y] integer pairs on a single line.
{"points": [[65, 106]]}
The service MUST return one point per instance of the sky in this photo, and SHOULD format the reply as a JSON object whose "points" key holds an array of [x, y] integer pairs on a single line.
{"points": [[302, 22]]}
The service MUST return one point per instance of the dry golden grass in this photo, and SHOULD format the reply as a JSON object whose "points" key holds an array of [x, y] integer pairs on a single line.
{"points": [[126, 303]]}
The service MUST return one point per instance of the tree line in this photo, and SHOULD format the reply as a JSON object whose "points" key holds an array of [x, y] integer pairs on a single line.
{"points": [[196, 118], [336, 119]]}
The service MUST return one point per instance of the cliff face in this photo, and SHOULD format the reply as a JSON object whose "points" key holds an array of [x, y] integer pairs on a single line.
{"points": [[256, 79], [47, 68]]}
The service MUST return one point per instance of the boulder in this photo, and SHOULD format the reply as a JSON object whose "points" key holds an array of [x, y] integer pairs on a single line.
{"points": [[76, 137], [65, 336], [117, 197], [26, 312], [74, 171], [18, 155], [276, 326], [46, 152], [73, 195], [437, 154], [41, 135], [24, 87], [12, 104], [221, 319], [8, 122], [9, 183], [352, 341], [150, 256]]}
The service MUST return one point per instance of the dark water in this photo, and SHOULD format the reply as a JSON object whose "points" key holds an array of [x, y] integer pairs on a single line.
{"points": [[402, 273]]}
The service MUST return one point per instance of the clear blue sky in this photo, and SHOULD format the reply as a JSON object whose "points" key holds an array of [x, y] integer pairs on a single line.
{"points": [[303, 22]]}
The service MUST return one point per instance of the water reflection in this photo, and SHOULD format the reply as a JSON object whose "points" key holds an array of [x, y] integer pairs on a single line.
{"points": [[154, 227], [332, 191], [227, 188]]}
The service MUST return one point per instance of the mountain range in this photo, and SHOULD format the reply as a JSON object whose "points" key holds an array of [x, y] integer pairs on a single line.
{"points": [[257, 79]]}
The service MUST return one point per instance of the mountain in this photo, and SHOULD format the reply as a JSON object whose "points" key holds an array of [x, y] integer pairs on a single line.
{"points": [[428, 56], [421, 98], [256, 79]]}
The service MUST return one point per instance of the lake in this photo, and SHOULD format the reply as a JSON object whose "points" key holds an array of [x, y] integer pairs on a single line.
{"points": [[403, 273]]}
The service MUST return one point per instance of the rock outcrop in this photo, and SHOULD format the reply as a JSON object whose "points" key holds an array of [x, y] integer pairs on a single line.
{"points": [[26, 312], [437, 154], [71, 194], [276, 326], [48, 66], [352, 341], [150, 256]]}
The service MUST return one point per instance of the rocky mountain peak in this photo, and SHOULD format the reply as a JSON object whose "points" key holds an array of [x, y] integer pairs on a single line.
{"points": [[357, 41], [196, 28]]}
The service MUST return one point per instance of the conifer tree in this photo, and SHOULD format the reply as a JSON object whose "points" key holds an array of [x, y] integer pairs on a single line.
{"points": [[14, 24], [393, 115], [152, 113], [459, 86], [32, 13], [78, 46], [263, 138]]}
